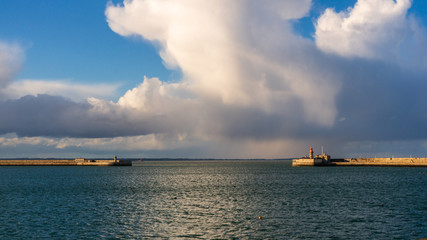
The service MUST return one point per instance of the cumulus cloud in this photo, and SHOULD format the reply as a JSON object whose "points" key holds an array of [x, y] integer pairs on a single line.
{"points": [[375, 29], [233, 51]]}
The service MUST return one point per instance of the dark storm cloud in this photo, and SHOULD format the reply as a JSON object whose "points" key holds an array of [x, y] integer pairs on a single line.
{"points": [[54, 116], [381, 101]]}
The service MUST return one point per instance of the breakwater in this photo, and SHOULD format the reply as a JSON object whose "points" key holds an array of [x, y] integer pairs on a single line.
{"points": [[386, 162], [65, 162]]}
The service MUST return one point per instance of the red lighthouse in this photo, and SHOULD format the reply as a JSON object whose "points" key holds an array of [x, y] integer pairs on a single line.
{"points": [[311, 152]]}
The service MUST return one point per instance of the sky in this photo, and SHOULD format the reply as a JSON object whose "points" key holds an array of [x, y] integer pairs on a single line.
{"points": [[213, 78]]}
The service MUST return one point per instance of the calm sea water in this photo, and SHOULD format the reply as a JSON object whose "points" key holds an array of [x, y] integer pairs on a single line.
{"points": [[213, 200]]}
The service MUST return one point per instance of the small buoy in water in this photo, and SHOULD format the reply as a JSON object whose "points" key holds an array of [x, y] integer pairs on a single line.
{"points": [[259, 217]]}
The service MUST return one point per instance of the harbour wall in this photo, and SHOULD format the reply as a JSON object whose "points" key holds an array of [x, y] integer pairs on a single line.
{"points": [[410, 162], [65, 162], [386, 162], [307, 162]]}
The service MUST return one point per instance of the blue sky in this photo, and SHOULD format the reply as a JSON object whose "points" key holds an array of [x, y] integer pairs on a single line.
{"points": [[212, 102], [72, 40]]}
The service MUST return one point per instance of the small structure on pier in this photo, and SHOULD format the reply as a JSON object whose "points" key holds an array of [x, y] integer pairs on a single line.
{"points": [[312, 160]]}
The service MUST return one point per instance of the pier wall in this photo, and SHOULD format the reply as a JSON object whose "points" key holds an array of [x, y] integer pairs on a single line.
{"points": [[398, 162], [307, 162], [65, 162], [417, 162]]}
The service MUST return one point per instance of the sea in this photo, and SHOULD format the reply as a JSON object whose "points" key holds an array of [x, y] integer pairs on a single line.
{"points": [[215, 199]]}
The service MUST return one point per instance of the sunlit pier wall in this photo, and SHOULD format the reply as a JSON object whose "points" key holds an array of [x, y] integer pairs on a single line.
{"points": [[398, 162], [66, 162]]}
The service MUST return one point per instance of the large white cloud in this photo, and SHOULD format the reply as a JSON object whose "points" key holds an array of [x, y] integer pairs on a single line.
{"points": [[375, 29], [233, 51]]}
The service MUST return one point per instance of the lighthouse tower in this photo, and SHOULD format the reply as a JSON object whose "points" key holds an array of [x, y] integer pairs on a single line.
{"points": [[311, 153]]}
